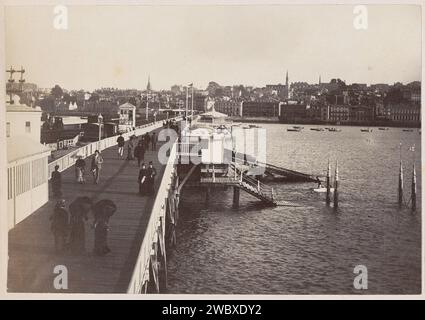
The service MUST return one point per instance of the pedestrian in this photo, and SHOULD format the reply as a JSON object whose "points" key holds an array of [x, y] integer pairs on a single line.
{"points": [[147, 139], [130, 149], [142, 179], [59, 226], [96, 165], [121, 143], [56, 183], [139, 152], [78, 210], [101, 229], [150, 179], [80, 168], [154, 140], [103, 210]]}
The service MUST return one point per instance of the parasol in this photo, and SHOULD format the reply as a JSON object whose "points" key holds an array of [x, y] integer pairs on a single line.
{"points": [[104, 208]]}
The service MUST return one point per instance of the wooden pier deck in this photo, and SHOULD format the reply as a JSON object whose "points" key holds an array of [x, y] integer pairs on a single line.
{"points": [[31, 247]]}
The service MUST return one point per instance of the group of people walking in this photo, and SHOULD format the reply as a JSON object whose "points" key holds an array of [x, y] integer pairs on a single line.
{"points": [[69, 228], [136, 148]]}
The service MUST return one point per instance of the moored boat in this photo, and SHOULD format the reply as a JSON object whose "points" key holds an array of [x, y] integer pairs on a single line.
{"points": [[366, 130]]}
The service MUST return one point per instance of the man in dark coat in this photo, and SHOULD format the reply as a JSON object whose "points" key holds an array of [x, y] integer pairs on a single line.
{"points": [[139, 152], [121, 143], [154, 140], [130, 149], [78, 209], [150, 178], [59, 225], [56, 182], [142, 179], [146, 140]]}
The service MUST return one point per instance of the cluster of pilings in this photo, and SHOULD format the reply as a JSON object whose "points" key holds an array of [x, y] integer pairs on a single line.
{"points": [[401, 203], [328, 186]]}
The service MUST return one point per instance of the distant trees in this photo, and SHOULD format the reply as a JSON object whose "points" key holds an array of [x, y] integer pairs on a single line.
{"points": [[57, 92]]}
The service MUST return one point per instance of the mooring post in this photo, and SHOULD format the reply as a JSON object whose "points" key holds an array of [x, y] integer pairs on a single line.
{"points": [[400, 185], [336, 186], [328, 185], [236, 192], [414, 188]]}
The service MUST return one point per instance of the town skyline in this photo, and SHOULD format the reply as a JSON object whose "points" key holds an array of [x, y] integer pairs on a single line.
{"points": [[213, 47]]}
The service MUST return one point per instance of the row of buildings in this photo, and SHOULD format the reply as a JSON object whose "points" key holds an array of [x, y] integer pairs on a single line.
{"points": [[296, 112]]}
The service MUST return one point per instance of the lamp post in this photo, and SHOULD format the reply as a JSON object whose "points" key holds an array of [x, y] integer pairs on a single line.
{"points": [[99, 121]]}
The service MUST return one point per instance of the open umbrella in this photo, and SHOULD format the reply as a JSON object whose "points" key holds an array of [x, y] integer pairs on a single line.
{"points": [[104, 208]]}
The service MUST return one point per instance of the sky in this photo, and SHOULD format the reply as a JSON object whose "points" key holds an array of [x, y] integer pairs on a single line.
{"points": [[120, 46]]}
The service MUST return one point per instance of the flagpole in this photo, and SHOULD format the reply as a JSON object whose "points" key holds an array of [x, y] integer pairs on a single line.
{"points": [[187, 101], [192, 103]]}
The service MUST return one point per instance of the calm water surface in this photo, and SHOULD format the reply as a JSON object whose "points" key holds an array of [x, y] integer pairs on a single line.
{"points": [[308, 248]]}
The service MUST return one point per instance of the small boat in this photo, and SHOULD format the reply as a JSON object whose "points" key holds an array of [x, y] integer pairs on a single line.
{"points": [[297, 127], [321, 190], [366, 130], [334, 130], [294, 129], [408, 130], [383, 128], [317, 129]]}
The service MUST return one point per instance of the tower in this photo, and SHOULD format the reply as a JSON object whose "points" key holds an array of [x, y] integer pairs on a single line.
{"points": [[320, 79]]}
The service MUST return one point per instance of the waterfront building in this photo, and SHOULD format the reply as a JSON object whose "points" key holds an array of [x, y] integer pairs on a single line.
{"points": [[27, 171], [259, 109], [292, 113], [231, 108], [404, 113]]}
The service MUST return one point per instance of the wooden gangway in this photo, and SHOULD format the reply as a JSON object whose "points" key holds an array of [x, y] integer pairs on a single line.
{"points": [[274, 171], [248, 184]]}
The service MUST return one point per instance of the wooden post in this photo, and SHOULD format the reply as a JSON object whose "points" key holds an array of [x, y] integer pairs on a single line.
{"points": [[207, 195], [336, 186], [414, 189], [400, 185], [328, 185], [236, 192]]}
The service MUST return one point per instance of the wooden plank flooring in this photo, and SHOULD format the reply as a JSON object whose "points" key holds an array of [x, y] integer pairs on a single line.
{"points": [[31, 247]]}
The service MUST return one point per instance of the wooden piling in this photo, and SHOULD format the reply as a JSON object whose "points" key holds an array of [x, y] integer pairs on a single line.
{"points": [[236, 193], [400, 185], [328, 185], [207, 195], [414, 189], [336, 200]]}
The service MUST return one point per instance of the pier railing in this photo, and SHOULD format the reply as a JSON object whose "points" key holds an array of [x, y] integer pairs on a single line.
{"points": [[141, 268], [69, 159]]}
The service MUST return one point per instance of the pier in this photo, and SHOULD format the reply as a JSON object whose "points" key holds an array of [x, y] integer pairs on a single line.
{"points": [[140, 229]]}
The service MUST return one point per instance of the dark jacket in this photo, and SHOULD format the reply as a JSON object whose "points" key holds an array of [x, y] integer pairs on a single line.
{"points": [[60, 221], [80, 163], [56, 178], [139, 151], [120, 141]]}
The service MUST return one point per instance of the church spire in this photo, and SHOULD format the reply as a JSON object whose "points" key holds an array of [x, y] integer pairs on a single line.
{"points": [[148, 87]]}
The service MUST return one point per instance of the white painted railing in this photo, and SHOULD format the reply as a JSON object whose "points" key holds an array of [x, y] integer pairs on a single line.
{"points": [[141, 268]]}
